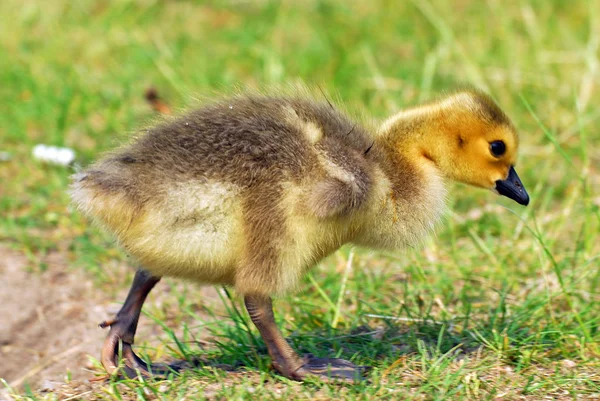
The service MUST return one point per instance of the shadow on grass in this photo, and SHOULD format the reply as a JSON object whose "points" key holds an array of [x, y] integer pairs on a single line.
{"points": [[241, 350], [516, 338]]}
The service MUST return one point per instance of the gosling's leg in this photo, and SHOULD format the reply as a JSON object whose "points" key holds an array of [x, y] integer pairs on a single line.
{"points": [[122, 331], [285, 360]]}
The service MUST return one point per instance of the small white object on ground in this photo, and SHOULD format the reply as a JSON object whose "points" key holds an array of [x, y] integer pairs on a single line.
{"points": [[5, 156], [53, 154]]}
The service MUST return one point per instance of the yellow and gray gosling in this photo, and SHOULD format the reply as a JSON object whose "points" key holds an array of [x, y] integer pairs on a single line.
{"points": [[251, 192]]}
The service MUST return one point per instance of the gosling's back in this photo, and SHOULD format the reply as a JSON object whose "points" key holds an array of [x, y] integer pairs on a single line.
{"points": [[193, 195]]}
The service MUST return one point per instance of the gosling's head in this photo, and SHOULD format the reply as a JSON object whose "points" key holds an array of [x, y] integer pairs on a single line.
{"points": [[469, 138]]}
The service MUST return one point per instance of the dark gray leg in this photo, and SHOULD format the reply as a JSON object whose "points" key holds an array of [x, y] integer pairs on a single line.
{"points": [[284, 358], [123, 327]]}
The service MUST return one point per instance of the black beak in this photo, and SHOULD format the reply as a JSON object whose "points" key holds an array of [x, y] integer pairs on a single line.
{"points": [[513, 188]]}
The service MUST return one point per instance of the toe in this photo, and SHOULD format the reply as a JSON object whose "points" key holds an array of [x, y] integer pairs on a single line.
{"points": [[134, 364], [333, 368]]}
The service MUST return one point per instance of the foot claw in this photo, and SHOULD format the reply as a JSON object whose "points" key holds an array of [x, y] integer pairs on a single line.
{"points": [[107, 323], [332, 369], [133, 365]]}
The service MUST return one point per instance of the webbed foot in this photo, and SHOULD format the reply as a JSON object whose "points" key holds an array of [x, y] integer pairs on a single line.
{"points": [[331, 369], [115, 348], [284, 358], [122, 332]]}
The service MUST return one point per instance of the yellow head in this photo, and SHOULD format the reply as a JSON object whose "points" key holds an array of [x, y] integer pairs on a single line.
{"points": [[467, 137]]}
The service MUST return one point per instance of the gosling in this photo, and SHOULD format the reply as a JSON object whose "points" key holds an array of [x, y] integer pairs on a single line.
{"points": [[252, 191]]}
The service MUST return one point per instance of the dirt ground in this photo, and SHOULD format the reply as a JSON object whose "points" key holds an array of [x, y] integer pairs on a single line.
{"points": [[49, 322]]}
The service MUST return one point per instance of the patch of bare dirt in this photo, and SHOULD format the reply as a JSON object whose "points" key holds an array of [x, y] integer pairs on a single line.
{"points": [[49, 321]]}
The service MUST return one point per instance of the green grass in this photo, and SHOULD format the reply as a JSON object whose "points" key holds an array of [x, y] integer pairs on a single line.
{"points": [[501, 304]]}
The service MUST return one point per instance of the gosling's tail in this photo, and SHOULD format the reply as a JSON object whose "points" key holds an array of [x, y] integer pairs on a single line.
{"points": [[96, 194]]}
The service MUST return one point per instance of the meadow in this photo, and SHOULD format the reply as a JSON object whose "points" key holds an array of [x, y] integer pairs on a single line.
{"points": [[501, 304]]}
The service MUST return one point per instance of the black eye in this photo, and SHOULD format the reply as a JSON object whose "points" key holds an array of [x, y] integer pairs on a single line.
{"points": [[497, 148]]}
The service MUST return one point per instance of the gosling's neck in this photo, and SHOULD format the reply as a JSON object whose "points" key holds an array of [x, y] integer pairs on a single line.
{"points": [[409, 195], [404, 143], [422, 137]]}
